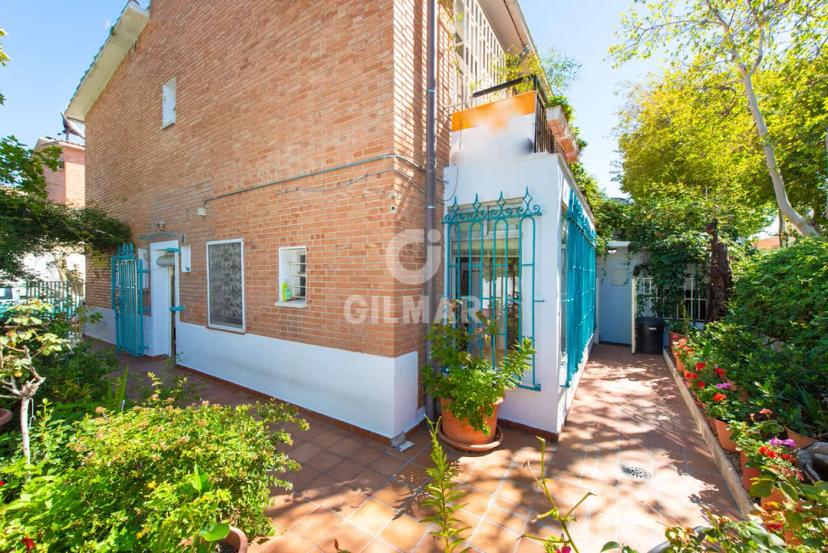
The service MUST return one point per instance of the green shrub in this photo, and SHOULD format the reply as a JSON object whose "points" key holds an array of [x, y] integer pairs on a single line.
{"points": [[774, 340], [122, 486]]}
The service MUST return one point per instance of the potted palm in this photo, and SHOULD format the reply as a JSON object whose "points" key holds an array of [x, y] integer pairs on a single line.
{"points": [[470, 388]]}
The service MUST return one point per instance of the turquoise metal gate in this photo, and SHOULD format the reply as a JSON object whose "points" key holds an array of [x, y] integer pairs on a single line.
{"points": [[128, 300], [579, 305], [490, 266]]}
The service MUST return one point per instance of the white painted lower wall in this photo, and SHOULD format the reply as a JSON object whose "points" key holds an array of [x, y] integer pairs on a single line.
{"points": [[372, 392], [104, 329]]}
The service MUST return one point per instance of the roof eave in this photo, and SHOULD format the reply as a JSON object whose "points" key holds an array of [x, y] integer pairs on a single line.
{"points": [[122, 38]]}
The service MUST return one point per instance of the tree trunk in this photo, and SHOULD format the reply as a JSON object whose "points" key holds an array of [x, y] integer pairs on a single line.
{"points": [[24, 428], [801, 224]]}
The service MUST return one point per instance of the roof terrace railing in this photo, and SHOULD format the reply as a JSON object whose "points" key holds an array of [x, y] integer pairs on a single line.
{"points": [[544, 141]]}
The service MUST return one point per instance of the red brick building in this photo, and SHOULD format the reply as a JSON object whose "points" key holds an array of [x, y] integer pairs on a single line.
{"points": [[269, 152]]}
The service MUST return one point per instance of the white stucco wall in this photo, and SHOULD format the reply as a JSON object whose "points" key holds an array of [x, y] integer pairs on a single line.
{"points": [[370, 391], [549, 183]]}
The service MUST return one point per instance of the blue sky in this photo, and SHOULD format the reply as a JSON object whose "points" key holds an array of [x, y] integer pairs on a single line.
{"points": [[52, 42]]}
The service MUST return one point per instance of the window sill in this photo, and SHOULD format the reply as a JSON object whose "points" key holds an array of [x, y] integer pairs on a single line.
{"points": [[227, 329], [294, 304]]}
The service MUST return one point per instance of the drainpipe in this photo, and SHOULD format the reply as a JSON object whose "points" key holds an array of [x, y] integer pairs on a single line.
{"points": [[431, 182]]}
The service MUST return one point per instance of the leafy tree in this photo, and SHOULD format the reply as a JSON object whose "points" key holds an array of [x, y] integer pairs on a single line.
{"points": [[742, 37], [29, 222], [690, 132], [683, 135]]}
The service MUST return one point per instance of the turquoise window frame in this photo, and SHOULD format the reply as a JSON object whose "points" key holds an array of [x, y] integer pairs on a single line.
{"points": [[467, 224]]}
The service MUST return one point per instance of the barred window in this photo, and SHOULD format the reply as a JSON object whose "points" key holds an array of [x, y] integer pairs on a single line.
{"points": [[293, 276]]}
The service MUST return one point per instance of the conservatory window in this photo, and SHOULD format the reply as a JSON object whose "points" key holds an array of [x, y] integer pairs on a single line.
{"points": [[293, 276], [225, 284]]}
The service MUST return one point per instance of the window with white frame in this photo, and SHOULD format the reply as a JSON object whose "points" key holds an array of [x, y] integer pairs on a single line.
{"points": [[293, 276], [168, 103], [225, 284]]}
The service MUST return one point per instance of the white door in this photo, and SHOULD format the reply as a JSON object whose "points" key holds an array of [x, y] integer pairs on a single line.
{"points": [[163, 294]]}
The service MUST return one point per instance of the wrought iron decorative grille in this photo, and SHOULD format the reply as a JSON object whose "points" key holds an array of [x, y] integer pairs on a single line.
{"points": [[579, 302], [490, 266]]}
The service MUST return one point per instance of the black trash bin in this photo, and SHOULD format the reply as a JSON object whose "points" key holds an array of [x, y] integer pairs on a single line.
{"points": [[649, 332]]}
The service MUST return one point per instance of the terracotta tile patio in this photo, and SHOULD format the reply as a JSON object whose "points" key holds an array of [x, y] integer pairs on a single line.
{"points": [[629, 440]]}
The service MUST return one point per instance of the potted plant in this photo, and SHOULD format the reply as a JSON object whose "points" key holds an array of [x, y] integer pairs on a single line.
{"points": [[723, 408], [469, 387], [683, 354], [679, 328], [806, 421]]}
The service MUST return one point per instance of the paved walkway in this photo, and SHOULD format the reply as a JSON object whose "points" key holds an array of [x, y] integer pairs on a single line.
{"points": [[629, 440]]}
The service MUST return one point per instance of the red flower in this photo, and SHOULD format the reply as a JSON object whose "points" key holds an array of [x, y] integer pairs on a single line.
{"points": [[719, 397], [700, 365], [788, 457], [773, 526], [690, 376], [29, 543], [768, 452], [720, 371], [700, 384], [2, 483]]}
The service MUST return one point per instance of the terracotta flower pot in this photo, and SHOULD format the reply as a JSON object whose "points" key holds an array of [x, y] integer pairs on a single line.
{"points": [[723, 433], [5, 417], [774, 501], [748, 474], [801, 441], [459, 430], [674, 337], [237, 540]]}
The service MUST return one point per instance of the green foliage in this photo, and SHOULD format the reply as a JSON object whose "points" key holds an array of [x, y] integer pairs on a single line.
{"points": [[724, 535], [685, 135], [136, 480], [671, 232], [784, 297], [443, 497], [468, 379], [31, 224], [774, 340], [737, 42]]}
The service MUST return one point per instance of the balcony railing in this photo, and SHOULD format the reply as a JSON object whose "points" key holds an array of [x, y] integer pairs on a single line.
{"points": [[544, 141]]}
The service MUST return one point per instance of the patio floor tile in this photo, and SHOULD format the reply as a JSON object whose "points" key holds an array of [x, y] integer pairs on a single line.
{"points": [[629, 440]]}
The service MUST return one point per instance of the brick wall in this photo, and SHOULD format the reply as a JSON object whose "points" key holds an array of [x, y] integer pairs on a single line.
{"points": [[67, 184], [267, 90]]}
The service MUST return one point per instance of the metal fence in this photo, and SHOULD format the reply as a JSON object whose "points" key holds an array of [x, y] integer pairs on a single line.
{"points": [[65, 297]]}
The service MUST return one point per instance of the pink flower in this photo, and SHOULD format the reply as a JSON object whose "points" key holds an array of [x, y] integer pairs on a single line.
{"points": [[723, 386], [564, 549], [786, 443]]}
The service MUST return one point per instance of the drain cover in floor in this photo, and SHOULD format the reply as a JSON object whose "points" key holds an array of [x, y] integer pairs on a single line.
{"points": [[635, 472]]}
